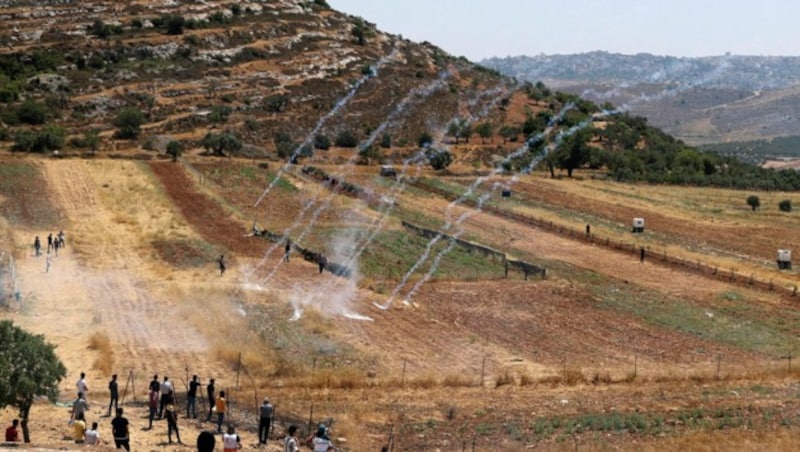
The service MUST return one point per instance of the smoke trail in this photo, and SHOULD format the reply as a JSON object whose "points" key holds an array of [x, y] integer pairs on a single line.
{"points": [[413, 95], [470, 190], [321, 122]]}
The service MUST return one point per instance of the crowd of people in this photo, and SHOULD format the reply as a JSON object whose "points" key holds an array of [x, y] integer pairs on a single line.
{"points": [[163, 405], [54, 243]]}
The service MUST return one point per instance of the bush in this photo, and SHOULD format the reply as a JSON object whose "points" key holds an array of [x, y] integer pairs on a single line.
{"points": [[785, 205], [219, 113], [425, 139], [276, 103], [174, 24], [174, 149], [32, 113], [222, 142], [346, 139], [386, 141], [439, 159], [49, 139], [754, 202], [322, 142]]}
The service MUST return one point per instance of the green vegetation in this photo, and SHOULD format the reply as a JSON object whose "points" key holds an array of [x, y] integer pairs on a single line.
{"points": [[439, 159], [392, 253], [129, 121], [346, 139], [785, 205], [29, 368], [220, 143], [754, 202], [48, 139]]}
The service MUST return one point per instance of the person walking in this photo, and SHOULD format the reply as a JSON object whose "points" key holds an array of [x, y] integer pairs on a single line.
{"points": [[37, 246], [221, 407], [166, 395], [290, 442], [191, 398], [79, 407], [172, 423], [121, 431], [211, 399], [264, 421], [113, 390], [152, 403], [287, 250], [221, 262], [230, 440]]}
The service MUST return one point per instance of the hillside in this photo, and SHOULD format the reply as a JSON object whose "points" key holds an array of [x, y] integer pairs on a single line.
{"points": [[489, 305], [699, 100]]}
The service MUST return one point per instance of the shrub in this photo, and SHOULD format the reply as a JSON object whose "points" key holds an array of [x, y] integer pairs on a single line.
{"points": [[219, 113], [322, 142], [785, 205], [425, 139], [49, 139], [32, 113], [346, 139], [276, 103], [439, 159], [754, 202], [386, 141], [174, 24], [222, 142]]}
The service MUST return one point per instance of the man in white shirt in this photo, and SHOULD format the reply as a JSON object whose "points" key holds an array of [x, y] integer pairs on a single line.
{"points": [[166, 396], [92, 435], [82, 386]]}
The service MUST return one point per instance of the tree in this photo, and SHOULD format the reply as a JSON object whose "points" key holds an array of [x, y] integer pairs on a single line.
{"points": [[175, 149], [574, 151], [439, 159], [346, 139], [33, 113], [174, 24], [359, 33], [29, 368], [322, 142], [785, 205], [485, 130], [386, 141], [509, 133], [219, 143], [754, 202], [368, 153], [129, 120], [91, 139]]}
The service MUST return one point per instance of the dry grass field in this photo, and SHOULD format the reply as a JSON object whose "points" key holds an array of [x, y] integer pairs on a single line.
{"points": [[605, 352]]}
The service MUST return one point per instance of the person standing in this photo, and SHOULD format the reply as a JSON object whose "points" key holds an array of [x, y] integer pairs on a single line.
{"points": [[290, 442], [211, 399], [264, 421], [120, 429], [79, 407], [152, 403], [12, 434], [230, 440], [166, 396], [191, 398], [221, 407], [55, 247], [37, 246], [82, 386], [172, 423], [48, 261], [221, 262], [323, 262], [49, 241], [113, 389]]}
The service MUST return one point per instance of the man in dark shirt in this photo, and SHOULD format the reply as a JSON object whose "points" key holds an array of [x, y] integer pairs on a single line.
{"points": [[191, 398], [119, 427], [211, 399], [113, 389]]}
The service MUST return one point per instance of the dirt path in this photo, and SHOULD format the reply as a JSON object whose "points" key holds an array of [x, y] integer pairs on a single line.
{"points": [[100, 283]]}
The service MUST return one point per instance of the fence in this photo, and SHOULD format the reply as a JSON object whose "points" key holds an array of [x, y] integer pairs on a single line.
{"points": [[485, 251], [712, 271], [310, 255]]}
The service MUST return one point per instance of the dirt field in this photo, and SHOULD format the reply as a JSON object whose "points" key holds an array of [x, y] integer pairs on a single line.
{"points": [[487, 361]]}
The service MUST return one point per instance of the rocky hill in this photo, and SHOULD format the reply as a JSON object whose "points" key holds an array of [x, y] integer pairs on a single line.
{"points": [[270, 72], [701, 100]]}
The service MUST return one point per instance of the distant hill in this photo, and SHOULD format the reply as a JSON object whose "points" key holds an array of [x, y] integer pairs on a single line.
{"points": [[699, 100]]}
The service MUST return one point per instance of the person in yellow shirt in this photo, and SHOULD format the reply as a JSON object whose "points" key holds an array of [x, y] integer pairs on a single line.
{"points": [[79, 428]]}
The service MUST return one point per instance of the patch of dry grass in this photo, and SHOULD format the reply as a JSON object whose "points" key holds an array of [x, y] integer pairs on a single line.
{"points": [[104, 361]]}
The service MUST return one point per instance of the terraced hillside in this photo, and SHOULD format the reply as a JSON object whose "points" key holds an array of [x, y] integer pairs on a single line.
{"points": [[418, 342]]}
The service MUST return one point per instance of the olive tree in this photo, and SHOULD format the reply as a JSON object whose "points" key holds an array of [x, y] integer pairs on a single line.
{"points": [[754, 202], [29, 368]]}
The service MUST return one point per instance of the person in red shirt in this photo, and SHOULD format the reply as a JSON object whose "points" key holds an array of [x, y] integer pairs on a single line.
{"points": [[12, 434]]}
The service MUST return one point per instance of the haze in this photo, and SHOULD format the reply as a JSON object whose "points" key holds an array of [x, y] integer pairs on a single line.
{"points": [[479, 29]]}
